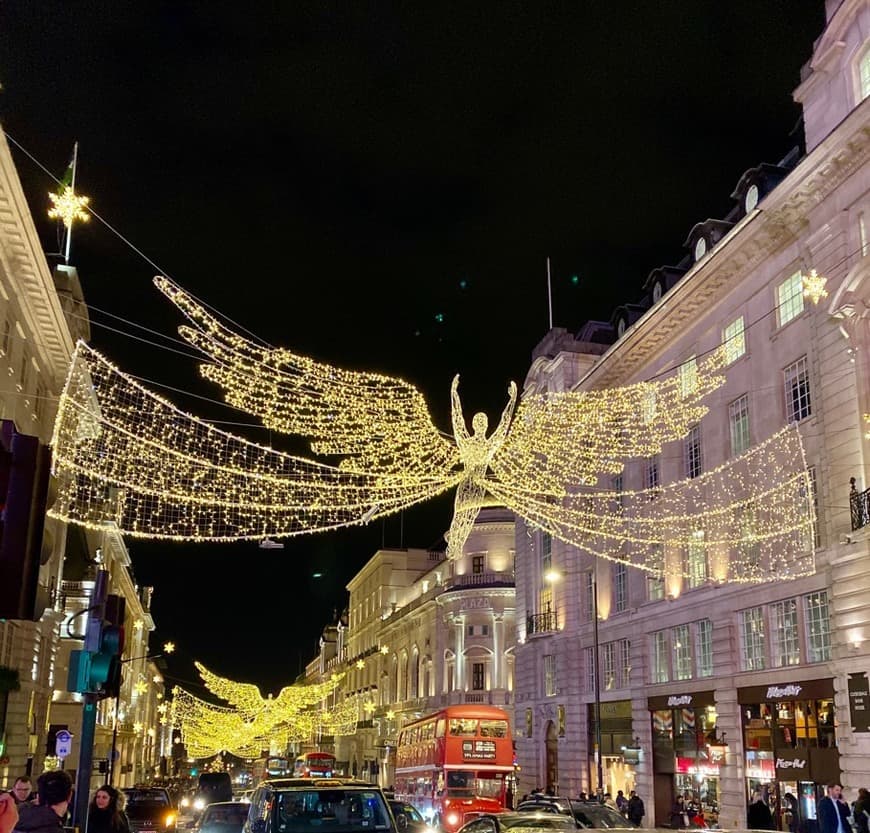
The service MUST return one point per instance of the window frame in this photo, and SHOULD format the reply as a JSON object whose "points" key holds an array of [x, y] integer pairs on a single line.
{"points": [[789, 298], [797, 390], [693, 461], [734, 339], [739, 429]]}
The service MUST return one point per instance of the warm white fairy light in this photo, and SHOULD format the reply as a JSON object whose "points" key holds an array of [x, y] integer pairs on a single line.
{"points": [[125, 455]]}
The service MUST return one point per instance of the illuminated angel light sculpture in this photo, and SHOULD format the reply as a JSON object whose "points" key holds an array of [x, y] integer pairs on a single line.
{"points": [[125, 455]]}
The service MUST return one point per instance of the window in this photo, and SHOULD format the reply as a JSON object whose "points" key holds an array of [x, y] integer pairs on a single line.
{"points": [[738, 420], [7, 333], [546, 552], [797, 391], [618, 496], [789, 299], [625, 661], [682, 652], [862, 233], [549, 675], [864, 75], [660, 663], [814, 496], [692, 451], [478, 676], [608, 664], [589, 662], [696, 560], [784, 641], [734, 339], [655, 588], [477, 562], [589, 588], [688, 378], [651, 472], [818, 627], [478, 630], [620, 586], [704, 648], [752, 638]]}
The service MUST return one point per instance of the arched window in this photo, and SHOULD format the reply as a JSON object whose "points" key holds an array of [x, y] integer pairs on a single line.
{"points": [[402, 693], [449, 671], [864, 74], [394, 680], [414, 670]]}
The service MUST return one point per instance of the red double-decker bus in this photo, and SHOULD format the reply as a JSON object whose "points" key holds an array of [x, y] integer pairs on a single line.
{"points": [[452, 765], [314, 765]]}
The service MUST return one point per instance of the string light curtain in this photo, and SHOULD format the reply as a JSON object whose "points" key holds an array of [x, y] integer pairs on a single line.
{"points": [[123, 454]]}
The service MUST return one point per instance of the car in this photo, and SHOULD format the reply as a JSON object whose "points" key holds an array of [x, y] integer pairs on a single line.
{"points": [[223, 817], [408, 817], [588, 814], [527, 822], [212, 787], [149, 810], [319, 805]]}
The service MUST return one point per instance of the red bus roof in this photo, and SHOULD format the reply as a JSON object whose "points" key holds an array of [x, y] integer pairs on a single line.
{"points": [[467, 711]]}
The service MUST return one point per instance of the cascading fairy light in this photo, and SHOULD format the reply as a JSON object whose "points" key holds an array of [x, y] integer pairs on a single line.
{"points": [[125, 455]]}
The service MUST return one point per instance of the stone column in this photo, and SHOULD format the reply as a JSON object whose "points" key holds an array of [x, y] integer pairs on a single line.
{"points": [[459, 675], [498, 650]]}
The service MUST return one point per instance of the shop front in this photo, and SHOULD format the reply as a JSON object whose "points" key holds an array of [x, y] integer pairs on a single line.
{"points": [[618, 748], [685, 769], [790, 744]]}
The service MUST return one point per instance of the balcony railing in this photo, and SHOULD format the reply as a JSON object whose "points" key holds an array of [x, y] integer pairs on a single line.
{"points": [[541, 622], [483, 580], [859, 503]]}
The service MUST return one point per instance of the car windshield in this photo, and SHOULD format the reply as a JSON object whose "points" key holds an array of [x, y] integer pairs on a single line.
{"points": [[146, 804], [527, 821], [332, 809], [223, 818], [598, 816]]}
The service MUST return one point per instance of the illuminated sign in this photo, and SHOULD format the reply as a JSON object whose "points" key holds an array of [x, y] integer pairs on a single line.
{"points": [[689, 766], [777, 692], [478, 750]]}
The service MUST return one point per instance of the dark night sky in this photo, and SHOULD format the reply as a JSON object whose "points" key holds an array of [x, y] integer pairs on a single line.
{"points": [[330, 173]]}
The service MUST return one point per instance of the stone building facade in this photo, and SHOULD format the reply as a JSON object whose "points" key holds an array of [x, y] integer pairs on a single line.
{"points": [[707, 689]]}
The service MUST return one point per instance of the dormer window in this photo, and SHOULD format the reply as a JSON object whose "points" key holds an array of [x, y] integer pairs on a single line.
{"points": [[620, 327], [700, 248], [751, 198], [864, 75], [657, 292]]}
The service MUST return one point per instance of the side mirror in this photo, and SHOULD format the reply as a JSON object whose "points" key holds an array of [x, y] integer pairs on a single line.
{"points": [[401, 821]]}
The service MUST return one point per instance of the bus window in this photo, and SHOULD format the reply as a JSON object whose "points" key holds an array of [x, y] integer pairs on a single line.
{"points": [[439, 729], [463, 728], [493, 728]]}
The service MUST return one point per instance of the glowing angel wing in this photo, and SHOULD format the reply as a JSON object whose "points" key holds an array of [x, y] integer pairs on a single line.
{"points": [[124, 455], [561, 440], [376, 423]]}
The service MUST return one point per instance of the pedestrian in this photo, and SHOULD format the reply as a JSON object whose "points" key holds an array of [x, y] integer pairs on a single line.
{"points": [[636, 810], [790, 812], [621, 802], [679, 817], [832, 811], [8, 813], [860, 811], [609, 802], [54, 790], [22, 790], [509, 799], [105, 815], [759, 817]]}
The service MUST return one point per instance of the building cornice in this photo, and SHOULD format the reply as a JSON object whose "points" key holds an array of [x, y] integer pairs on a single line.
{"points": [[778, 223], [25, 265]]}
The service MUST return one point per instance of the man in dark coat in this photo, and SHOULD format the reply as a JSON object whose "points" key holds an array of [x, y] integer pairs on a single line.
{"points": [[636, 810], [833, 812], [759, 816], [54, 790]]}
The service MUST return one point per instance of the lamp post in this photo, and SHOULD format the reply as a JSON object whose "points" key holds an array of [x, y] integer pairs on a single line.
{"points": [[168, 648]]}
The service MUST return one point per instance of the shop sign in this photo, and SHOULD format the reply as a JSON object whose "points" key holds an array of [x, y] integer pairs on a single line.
{"points": [[792, 767], [695, 699], [479, 603], [762, 769], [478, 750], [786, 690], [690, 766], [859, 702]]}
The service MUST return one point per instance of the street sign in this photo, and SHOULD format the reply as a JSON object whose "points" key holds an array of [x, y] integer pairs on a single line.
{"points": [[62, 743]]}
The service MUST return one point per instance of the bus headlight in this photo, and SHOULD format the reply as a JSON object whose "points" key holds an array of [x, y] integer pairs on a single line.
{"points": [[452, 818], [198, 804]]}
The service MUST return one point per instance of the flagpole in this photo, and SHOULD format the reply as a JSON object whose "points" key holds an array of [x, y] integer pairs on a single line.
{"points": [[549, 294], [75, 159]]}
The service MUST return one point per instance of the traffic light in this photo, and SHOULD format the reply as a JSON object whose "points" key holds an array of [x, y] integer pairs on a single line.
{"points": [[97, 668]]}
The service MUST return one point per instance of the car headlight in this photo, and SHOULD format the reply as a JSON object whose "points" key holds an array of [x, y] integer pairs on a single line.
{"points": [[452, 818], [169, 820], [198, 804], [185, 802]]}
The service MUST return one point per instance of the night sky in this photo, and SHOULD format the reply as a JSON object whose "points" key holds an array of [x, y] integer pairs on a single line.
{"points": [[378, 184]]}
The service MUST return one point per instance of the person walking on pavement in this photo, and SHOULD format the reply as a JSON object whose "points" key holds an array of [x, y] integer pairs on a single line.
{"points": [[636, 810], [105, 815], [860, 810], [759, 816], [54, 789], [832, 811]]}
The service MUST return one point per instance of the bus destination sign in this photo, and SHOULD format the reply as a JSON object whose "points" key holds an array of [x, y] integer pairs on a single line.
{"points": [[478, 750]]}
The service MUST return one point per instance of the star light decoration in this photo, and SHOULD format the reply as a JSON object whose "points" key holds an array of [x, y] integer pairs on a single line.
{"points": [[814, 286], [550, 459], [140, 687], [68, 207]]}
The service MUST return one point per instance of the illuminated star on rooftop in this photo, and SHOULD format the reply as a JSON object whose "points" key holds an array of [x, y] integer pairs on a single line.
{"points": [[68, 206]]}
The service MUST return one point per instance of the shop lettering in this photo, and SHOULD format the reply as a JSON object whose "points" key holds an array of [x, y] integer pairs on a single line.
{"points": [[476, 604], [684, 700], [795, 763], [774, 692]]}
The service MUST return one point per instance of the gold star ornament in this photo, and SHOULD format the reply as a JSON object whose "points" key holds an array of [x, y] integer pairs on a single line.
{"points": [[68, 206], [814, 286]]}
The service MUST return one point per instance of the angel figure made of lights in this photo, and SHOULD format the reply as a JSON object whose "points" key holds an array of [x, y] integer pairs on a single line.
{"points": [[126, 456]]}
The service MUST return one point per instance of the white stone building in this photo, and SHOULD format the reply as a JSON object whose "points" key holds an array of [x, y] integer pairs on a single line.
{"points": [[685, 663]]}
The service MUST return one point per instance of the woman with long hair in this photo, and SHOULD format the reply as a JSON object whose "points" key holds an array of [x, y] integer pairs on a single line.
{"points": [[106, 813]]}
